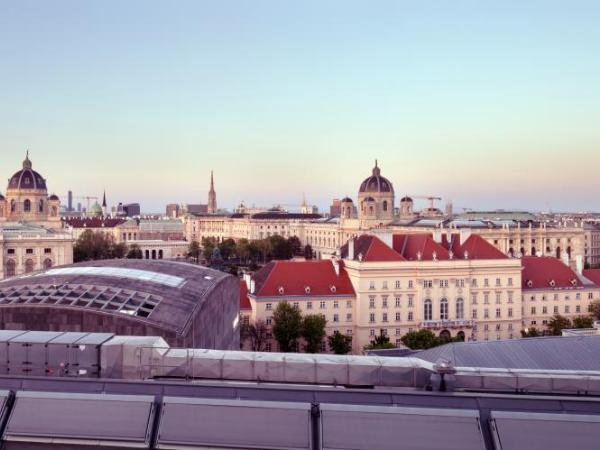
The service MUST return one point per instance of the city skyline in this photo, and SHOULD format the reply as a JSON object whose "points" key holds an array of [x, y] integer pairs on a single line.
{"points": [[487, 106]]}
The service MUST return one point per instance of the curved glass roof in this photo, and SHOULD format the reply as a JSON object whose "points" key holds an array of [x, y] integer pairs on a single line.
{"points": [[134, 274]]}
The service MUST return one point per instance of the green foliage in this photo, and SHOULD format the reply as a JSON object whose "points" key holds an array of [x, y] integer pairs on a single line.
{"points": [[531, 332], [308, 252], [255, 334], [194, 250], [595, 309], [95, 245], [135, 252], [339, 343], [557, 324], [287, 326], [295, 245], [208, 247], [380, 342], [583, 322], [228, 249], [281, 248], [421, 339], [313, 332]]}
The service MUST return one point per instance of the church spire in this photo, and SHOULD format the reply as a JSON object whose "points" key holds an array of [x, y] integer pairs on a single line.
{"points": [[104, 199], [212, 196]]}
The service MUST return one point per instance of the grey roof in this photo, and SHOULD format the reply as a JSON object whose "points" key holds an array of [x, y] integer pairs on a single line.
{"points": [[162, 293], [544, 353]]}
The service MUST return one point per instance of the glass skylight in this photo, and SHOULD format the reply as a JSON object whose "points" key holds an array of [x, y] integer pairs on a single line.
{"points": [[134, 274]]}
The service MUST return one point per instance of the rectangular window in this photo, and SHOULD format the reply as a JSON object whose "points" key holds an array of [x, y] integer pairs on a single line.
{"points": [[371, 284], [410, 301], [397, 284], [578, 296], [349, 317], [410, 284], [486, 299], [510, 312], [410, 316], [578, 309], [371, 301], [269, 306], [486, 282], [427, 283], [544, 310], [336, 317], [384, 285], [397, 317], [308, 305], [349, 304], [10, 251], [486, 313], [474, 315], [397, 301], [384, 303], [474, 282], [371, 332], [29, 251], [385, 319], [497, 281], [372, 318], [567, 309], [510, 282], [47, 251], [296, 305], [533, 310], [269, 320], [474, 299], [336, 304], [443, 283], [498, 297], [322, 305], [498, 313], [510, 297], [590, 296]]}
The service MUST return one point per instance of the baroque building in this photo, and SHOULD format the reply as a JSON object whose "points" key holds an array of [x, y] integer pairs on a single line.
{"points": [[31, 232]]}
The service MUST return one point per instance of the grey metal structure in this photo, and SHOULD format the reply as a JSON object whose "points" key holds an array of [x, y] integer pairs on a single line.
{"points": [[543, 353], [188, 305]]}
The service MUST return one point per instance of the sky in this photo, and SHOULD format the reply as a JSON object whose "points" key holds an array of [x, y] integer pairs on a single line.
{"points": [[489, 104]]}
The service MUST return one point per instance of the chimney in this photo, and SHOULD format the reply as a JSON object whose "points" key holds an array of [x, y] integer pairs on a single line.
{"points": [[336, 265], [252, 286], [248, 280], [579, 264], [351, 248]]}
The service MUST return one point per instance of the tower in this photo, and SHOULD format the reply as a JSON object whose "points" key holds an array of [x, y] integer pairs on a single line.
{"points": [[104, 207], [212, 196]]}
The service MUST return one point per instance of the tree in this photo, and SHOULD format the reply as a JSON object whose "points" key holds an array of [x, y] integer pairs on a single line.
{"points": [[243, 249], [280, 247], [227, 248], [308, 252], [208, 248], [380, 342], [135, 252], [194, 250], [595, 309], [583, 322], [530, 332], [255, 333], [339, 343], [97, 245], [313, 332], [287, 326], [557, 324], [421, 339], [295, 245]]}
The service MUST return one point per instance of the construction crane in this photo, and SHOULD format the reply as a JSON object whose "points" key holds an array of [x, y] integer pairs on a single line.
{"points": [[83, 197], [430, 198]]}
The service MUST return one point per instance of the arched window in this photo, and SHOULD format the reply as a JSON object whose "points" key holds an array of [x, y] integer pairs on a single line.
{"points": [[160, 254], [10, 268], [522, 251], [533, 251], [29, 266], [153, 254], [13, 206], [385, 206], [427, 310], [558, 252], [147, 254], [460, 309], [54, 211], [444, 309], [460, 336], [370, 210], [41, 206], [27, 205], [511, 252], [569, 252], [47, 263]]}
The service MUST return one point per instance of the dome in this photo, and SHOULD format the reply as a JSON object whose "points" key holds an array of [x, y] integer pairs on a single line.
{"points": [[376, 183], [53, 197], [406, 199], [346, 200], [27, 178], [95, 210]]}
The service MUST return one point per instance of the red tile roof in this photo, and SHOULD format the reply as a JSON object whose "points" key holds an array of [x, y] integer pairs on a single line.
{"points": [[593, 275], [410, 246], [477, 248], [244, 300], [372, 249], [93, 222], [546, 272], [296, 276]]}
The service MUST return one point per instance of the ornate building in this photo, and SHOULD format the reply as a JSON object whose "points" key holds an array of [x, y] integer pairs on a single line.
{"points": [[31, 232]]}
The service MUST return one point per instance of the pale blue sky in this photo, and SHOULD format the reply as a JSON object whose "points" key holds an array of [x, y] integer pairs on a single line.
{"points": [[490, 104]]}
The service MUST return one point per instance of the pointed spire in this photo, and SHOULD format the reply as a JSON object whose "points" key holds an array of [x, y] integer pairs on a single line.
{"points": [[27, 161], [376, 170], [212, 181], [104, 199]]}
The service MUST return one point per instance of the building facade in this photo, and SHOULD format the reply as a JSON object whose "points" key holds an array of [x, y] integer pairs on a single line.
{"points": [[32, 236]]}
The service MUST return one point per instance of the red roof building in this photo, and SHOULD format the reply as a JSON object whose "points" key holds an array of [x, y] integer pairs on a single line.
{"points": [[593, 275], [371, 249], [419, 247], [244, 300], [302, 279], [93, 222], [545, 272]]}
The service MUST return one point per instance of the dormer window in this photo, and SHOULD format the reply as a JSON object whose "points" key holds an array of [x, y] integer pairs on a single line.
{"points": [[552, 283], [529, 283], [333, 289], [281, 290], [574, 282], [307, 289]]}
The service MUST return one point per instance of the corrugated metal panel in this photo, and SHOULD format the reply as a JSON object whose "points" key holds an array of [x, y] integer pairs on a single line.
{"points": [[546, 353], [194, 423], [519, 430], [390, 428], [85, 418]]}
